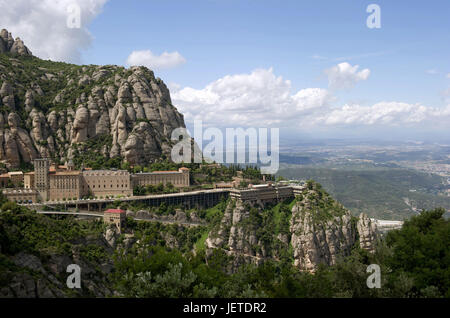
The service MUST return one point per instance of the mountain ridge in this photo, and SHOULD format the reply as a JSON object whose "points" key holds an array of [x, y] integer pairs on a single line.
{"points": [[52, 109]]}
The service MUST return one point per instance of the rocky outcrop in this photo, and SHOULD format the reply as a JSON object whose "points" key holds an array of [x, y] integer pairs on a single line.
{"points": [[319, 231], [36, 279], [317, 242], [111, 235], [8, 44], [239, 236], [368, 232], [54, 107]]}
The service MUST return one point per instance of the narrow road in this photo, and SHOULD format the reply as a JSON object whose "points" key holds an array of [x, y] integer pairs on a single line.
{"points": [[99, 214]]}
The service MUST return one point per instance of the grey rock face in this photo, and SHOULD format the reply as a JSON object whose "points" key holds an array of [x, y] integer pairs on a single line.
{"points": [[8, 44], [111, 237], [20, 48], [238, 238], [29, 261], [317, 243], [36, 279], [368, 232], [315, 240]]}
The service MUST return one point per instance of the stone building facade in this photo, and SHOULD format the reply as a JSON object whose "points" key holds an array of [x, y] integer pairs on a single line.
{"points": [[116, 217], [179, 179], [21, 195], [264, 193], [65, 185], [102, 183], [28, 180], [4, 180], [16, 178], [41, 177], [59, 183], [13, 178]]}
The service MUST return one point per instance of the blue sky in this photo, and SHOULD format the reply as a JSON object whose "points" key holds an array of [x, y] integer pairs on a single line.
{"points": [[228, 37], [269, 63]]}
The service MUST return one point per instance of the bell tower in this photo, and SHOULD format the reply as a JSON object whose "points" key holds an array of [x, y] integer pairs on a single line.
{"points": [[41, 177]]}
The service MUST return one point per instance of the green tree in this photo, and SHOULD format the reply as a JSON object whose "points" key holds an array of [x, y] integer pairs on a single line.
{"points": [[421, 250]]}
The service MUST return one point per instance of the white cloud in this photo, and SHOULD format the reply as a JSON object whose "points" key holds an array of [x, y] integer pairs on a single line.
{"points": [[257, 99], [432, 71], [448, 75], [344, 75], [384, 113], [173, 87], [152, 61], [262, 99], [312, 99], [42, 25]]}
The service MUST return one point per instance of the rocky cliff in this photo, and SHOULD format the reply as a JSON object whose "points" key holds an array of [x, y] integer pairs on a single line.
{"points": [[52, 109], [8, 44], [311, 230]]}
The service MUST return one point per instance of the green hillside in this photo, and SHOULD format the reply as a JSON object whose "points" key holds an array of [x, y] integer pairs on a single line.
{"points": [[385, 193]]}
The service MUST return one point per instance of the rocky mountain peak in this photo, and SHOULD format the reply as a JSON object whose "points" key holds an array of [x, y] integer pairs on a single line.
{"points": [[89, 112], [8, 44]]}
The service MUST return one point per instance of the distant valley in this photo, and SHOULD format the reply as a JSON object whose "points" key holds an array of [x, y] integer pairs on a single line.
{"points": [[384, 180]]}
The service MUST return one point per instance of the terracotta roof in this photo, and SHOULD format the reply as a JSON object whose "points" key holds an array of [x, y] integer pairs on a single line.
{"points": [[115, 211]]}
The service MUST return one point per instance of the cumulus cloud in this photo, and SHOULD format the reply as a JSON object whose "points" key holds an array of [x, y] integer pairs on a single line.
{"points": [[343, 75], [256, 99], [155, 62], [383, 113], [42, 25], [262, 99]]}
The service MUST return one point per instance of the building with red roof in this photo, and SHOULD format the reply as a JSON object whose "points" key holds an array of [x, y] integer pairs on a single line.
{"points": [[116, 217]]}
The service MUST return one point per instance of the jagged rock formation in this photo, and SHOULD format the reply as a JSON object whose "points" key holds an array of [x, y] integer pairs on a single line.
{"points": [[111, 236], [367, 230], [8, 44], [320, 241], [316, 230], [237, 236], [36, 279], [49, 108]]}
